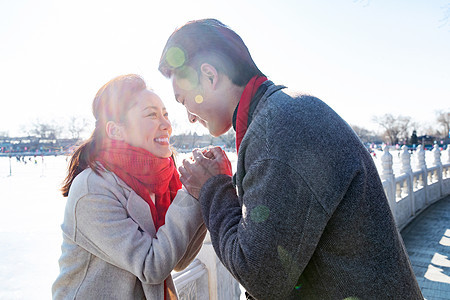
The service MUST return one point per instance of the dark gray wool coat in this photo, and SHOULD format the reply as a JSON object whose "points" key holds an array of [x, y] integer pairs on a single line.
{"points": [[311, 219]]}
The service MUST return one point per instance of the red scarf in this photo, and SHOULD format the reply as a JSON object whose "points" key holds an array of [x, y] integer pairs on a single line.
{"points": [[244, 105], [144, 173]]}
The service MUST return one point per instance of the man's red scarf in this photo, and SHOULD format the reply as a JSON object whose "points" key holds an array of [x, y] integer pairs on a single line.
{"points": [[243, 108], [144, 173]]}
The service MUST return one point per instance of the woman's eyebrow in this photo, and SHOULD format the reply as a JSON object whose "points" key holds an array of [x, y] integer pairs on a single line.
{"points": [[152, 107]]}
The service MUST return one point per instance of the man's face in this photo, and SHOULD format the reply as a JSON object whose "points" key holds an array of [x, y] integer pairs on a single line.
{"points": [[202, 103]]}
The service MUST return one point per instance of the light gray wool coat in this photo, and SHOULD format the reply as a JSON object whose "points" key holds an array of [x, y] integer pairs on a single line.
{"points": [[311, 219], [110, 249]]}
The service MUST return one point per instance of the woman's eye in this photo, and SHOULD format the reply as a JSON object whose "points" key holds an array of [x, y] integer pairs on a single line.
{"points": [[151, 115]]}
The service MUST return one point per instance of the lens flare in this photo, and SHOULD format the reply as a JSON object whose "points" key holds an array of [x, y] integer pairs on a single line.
{"points": [[285, 257], [259, 214], [187, 78], [198, 99], [175, 57], [289, 264]]}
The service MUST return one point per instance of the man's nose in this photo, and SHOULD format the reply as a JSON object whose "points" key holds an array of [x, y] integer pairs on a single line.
{"points": [[192, 118]]}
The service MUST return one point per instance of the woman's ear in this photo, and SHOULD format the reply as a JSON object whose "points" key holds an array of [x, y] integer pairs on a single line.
{"points": [[209, 74], [114, 131]]}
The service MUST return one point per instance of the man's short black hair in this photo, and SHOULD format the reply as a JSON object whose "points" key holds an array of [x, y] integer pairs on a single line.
{"points": [[208, 41]]}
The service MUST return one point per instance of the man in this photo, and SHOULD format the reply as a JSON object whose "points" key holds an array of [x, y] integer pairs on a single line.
{"points": [[309, 219]]}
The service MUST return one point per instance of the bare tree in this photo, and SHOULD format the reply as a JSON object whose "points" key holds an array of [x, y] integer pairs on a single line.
{"points": [[404, 123], [76, 126], [428, 129], [443, 119], [387, 122], [229, 139], [195, 138], [365, 135], [396, 128], [46, 130]]}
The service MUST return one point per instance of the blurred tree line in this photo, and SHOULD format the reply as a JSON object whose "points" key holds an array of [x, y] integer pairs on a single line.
{"points": [[74, 128], [403, 130], [394, 130]]}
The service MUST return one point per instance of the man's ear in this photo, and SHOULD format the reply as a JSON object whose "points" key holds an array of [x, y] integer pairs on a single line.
{"points": [[209, 74], [114, 131]]}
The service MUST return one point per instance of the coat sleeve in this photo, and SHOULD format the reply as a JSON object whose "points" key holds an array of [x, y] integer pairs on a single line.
{"points": [[104, 229], [267, 241], [193, 249]]}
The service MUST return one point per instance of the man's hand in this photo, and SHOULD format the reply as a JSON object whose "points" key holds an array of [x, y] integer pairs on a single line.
{"points": [[203, 165]]}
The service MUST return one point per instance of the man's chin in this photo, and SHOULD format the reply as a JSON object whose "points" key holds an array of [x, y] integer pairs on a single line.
{"points": [[216, 132]]}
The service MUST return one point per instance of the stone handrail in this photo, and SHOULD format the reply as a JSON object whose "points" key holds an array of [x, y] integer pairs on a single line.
{"points": [[414, 190], [192, 283], [206, 278]]}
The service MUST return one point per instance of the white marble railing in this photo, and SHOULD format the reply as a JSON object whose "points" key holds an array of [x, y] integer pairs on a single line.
{"points": [[414, 189], [192, 283], [206, 278]]}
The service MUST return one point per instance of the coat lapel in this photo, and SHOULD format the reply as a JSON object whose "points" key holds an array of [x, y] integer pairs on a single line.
{"points": [[139, 211], [137, 208]]}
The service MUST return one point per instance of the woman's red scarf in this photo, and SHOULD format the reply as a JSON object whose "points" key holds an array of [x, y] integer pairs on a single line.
{"points": [[144, 173], [244, 105]]}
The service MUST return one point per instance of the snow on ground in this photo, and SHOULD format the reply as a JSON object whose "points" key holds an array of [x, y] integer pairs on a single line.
{"points": [[30, 217], [31, 213]]}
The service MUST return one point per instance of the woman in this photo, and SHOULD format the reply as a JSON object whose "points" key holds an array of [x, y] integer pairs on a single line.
{"points": [[127, 224]]}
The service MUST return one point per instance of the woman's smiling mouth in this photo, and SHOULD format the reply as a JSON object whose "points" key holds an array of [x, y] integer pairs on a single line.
{"points": [[162, 140]]}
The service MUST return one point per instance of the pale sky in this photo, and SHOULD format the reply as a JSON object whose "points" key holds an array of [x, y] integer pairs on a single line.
{"points": [[364, 58]]}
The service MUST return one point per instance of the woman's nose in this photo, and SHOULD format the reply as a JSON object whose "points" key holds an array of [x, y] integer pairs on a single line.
{"points": [[192, 118], [165, 124]]}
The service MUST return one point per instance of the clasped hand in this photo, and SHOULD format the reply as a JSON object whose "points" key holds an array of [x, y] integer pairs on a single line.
{"points": [[203, 165]]}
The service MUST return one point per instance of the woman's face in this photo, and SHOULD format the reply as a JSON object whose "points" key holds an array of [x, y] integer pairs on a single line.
{"points": [[147, 125]]}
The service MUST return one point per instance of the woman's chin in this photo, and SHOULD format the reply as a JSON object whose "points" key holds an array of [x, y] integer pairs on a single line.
{"points": [[163, 154]]}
